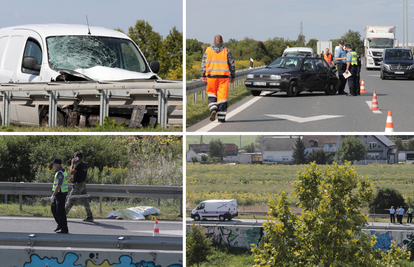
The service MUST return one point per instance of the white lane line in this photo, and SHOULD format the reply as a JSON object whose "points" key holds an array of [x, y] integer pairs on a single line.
{"points": [[373, 111], [305, 119], [215, 123], [374, 75]]}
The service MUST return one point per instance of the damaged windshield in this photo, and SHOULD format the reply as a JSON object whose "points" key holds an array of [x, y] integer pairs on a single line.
{"points": [[83, 52]]}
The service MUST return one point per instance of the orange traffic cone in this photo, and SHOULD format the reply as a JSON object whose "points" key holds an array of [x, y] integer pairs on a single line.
{"points": [[156, 229], [389, 126], [362, 87], [374, 103]]}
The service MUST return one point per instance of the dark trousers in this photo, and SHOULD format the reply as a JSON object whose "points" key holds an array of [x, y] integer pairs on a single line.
{"points": [[410, 218], [399, 219], [58, 211], [341, 70], [359, 84], [353, 80], [392, 218]]}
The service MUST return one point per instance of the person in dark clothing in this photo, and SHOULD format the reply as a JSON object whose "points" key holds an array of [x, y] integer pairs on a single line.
{"points": [[359, 76], [79, 172], [352, 67], [340, 58], [60, 191], [392, 214]]}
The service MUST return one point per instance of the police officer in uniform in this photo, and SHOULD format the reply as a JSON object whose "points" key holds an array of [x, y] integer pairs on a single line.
{"points": [[359, 76], [352, 66], [340, 58], [60, 191], [410, 215], [392, 214]]}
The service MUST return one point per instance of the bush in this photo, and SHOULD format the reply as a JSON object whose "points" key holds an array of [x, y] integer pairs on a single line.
{"points": [[320, 157], [204, 158], [194, 159], [216, 160], [385, 198], [198, 246]]}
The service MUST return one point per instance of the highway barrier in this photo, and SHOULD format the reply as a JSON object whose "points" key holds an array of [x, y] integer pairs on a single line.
{"points": [[104, 94], [96, 190], [195, 86]]}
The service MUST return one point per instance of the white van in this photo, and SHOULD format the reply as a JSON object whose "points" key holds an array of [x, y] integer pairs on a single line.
{"points": [[215, 209], [298, 51], [67, 53]]}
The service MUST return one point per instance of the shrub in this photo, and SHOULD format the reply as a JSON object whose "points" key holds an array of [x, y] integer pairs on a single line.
{"points": [[385, 198], [198, 246]]}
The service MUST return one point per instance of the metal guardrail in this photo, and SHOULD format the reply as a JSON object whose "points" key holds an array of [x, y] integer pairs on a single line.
{"points": [[195, 86], [96, 190], [92, 241], [159, 93]]}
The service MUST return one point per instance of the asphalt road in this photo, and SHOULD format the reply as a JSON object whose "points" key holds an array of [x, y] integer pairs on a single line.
{"points": [[317, 112], [99, 227]]}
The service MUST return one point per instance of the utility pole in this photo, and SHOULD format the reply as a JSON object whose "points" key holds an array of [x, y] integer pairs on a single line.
{"points": [[301, 28], [406, 22], [403, 23]]}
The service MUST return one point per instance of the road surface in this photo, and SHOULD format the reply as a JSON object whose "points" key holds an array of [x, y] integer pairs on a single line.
{"points": [[317, 112], [99, 227]]}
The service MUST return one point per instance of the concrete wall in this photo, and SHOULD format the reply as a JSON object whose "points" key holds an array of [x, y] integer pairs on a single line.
{"points": [[384, 238], [67, 257]]}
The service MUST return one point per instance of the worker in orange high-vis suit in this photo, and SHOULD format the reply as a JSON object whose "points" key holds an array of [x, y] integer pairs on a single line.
{"points": [[328, 56], [217, 67]]}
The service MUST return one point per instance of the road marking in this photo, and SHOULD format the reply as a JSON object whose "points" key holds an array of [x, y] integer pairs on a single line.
{"points": [[214, 124], [374, 75], [305, 119], [374, 111]]}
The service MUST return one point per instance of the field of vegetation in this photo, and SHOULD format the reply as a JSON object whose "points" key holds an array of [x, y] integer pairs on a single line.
{"points": [[254, 185], [245, 139]]}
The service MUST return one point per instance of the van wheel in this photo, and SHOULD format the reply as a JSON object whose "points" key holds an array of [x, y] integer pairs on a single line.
{"points": [[293, 89], [221, 218], [255, 93], [196, 218], [229, 219]]}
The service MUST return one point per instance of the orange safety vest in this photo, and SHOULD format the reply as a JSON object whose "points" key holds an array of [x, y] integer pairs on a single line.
{"points": [[328, 58], [216, 63]]}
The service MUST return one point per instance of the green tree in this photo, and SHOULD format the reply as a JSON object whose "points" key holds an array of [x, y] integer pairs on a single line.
{"points": [[216, 160], [172, 63], [194, 159], [216, 148], [299, 154], [204, 158], [250, 148], [320, 157], [313, 43], [354, 39], [399, 144], [409, 145], [327, 232], [351, 148], [198, 246], [300, 41], [385, 198]]}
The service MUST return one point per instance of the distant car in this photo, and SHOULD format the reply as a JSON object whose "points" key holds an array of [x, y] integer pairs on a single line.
{"points": [[397, 62], [294, 75]]}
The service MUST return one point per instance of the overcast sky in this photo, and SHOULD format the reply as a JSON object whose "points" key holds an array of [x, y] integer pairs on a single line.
{"points": [[162, 15], [264, 19]]}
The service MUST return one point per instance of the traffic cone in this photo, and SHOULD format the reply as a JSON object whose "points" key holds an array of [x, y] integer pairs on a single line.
{"points": [[374, 103], [362, 87], [156, 229], [389, 126]]}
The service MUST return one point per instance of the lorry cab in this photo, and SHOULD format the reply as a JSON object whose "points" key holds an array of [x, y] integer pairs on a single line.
{"points": [[378, 38], [62, 53], [215, 209]]}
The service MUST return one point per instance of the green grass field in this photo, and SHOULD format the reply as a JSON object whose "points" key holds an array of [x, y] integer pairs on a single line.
{"points": [[245, 139], [198, 111], [253, 185]]}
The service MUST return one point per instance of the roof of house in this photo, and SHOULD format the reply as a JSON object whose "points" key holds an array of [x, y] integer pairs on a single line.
{"points": [[383, 139], [278, 144], [322, 139]]}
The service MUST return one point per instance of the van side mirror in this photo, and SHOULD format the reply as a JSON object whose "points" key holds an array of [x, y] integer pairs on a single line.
{"points": [[155, 66], [30, 63]]}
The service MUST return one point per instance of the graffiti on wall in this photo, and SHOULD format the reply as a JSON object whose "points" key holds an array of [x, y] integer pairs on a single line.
{"points": [[71, 258], [234, 236], [384, 239]]}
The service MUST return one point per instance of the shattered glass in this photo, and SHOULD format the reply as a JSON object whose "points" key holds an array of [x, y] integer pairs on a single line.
{"points": [[83, 52]]}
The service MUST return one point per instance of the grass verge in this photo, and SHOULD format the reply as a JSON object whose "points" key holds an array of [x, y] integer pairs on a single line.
{"points": [[198, 111], [229, 257], [170, 209]]}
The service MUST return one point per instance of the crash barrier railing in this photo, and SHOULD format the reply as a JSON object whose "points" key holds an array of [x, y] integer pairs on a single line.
{"points": [[161, 92], [195, 86], [95, 190], [37, 240]]}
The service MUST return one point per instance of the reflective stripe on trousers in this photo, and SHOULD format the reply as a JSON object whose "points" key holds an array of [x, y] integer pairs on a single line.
{"points": [[217, 91]]}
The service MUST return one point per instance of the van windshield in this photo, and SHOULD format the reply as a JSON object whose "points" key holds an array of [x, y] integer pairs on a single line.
{"points": [[399, 54], [83, 52], [381, 43]]}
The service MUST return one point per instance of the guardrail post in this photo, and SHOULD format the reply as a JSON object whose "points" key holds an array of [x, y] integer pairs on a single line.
{"points": [[52, 108], [5, 109], [203, 95], [159, 201], [165, 108], [159, 106], [100, 205], [104, 108], [5, 199], [20, 202], [195, 97], [181, 207]]}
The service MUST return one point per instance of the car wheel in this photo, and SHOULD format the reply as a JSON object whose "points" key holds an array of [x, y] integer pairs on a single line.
{"points": [[229, 218], [196, 218], [256, 93], [221, 218], [330, 88], [293, 89], [382, 75]]}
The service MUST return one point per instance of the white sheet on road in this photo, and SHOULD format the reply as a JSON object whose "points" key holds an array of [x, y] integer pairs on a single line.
{"points": [[135, 213]]}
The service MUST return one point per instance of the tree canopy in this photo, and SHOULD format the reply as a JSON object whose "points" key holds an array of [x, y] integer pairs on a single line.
{"points": [[352, 148], [299, 154], [216, 148]]}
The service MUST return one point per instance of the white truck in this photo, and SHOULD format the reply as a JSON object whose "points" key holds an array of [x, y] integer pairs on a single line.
{"points": [[215, 209], [377, 38], [72, 53], [321, 46]]}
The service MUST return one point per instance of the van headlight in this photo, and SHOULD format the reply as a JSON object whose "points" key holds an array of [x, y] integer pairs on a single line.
{"points": [[386, 66], [250, 76], [275, 77]]}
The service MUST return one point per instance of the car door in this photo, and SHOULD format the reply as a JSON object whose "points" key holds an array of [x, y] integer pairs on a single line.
{"points": [[322, 68], [308, 75]]}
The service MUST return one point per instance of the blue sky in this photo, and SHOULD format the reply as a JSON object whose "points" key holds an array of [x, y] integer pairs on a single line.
{"points": [[162, 15], [263, 19]]}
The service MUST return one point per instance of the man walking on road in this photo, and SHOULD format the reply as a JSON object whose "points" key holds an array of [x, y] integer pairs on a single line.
{"points": [[352, 67], [79, 172], [340, 58], [60, 191], [216, 67]]}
